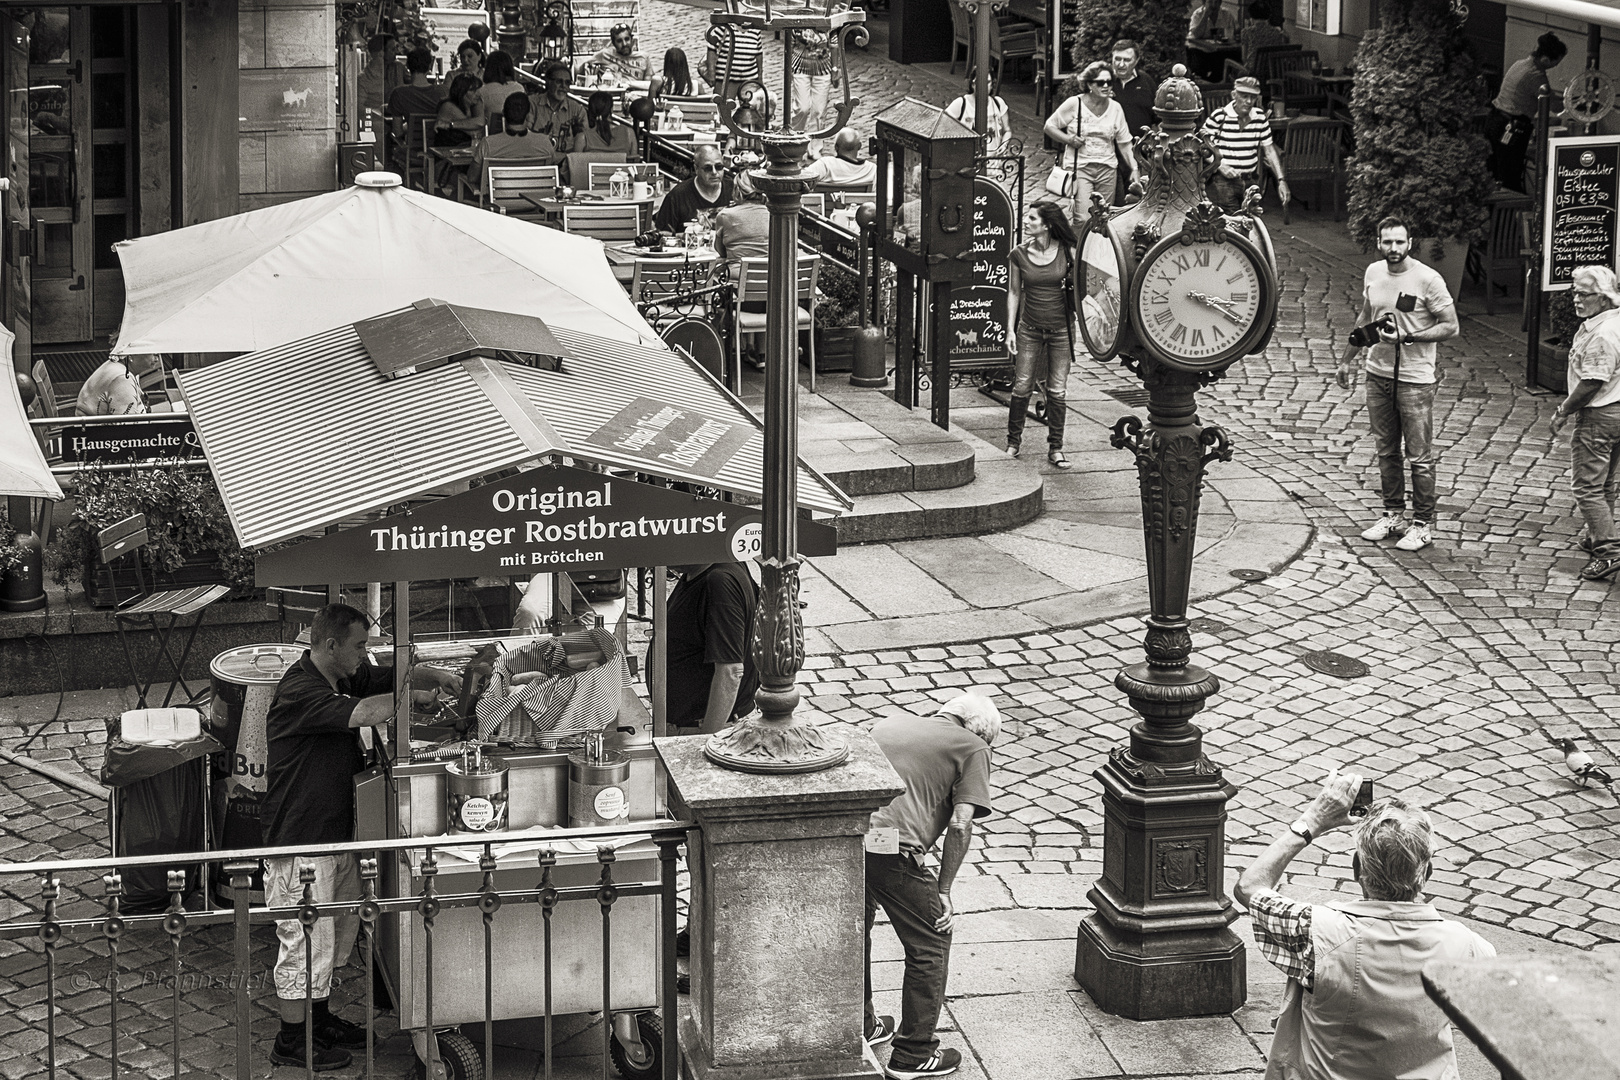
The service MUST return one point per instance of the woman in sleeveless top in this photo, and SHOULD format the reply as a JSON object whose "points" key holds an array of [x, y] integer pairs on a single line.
{"points": [[1040, 309]]}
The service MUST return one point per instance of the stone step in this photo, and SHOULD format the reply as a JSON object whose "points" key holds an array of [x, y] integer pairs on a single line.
{"points": [[1003, 494], [867, 445]]}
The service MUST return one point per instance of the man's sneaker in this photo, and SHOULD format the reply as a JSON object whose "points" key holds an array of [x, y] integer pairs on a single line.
{"points": [[1418, 536], [883, 1034], [1385, 527], [943, 1063], [286, 1051], [1600, 568], [338, 1032]]}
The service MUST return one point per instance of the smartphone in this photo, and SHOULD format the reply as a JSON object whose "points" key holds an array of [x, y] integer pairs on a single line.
{"points": [[1406, 302], [1364, 799]]}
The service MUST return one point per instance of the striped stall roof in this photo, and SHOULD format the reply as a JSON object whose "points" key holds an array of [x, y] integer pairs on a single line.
{"points": [[308, 433]]}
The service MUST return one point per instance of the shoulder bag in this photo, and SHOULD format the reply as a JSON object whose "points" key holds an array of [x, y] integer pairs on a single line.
{"points": [[1060, 181]]}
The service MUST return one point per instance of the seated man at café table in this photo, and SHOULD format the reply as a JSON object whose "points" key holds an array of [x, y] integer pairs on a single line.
{"points": [[554, 112], [515, 145], [707, 188], [844, 169], [415, 98], [1210, 28], [621, 60]]}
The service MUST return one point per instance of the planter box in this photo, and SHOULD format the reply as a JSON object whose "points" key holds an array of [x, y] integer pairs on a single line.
{"points": [[835, 348], [99, 581]]}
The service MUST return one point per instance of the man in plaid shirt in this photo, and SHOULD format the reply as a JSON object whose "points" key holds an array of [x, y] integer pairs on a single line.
{"points": [[1355, 1007]]}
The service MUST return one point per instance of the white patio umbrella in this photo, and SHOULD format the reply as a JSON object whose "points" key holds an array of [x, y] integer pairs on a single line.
{"points": [[260, 279], [23, 469]]}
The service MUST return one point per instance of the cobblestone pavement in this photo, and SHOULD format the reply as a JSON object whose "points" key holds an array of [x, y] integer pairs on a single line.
{"points": [[1478, 647]]}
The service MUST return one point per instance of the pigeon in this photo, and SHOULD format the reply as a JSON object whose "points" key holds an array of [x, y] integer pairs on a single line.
{"points": [[1580, 764]]}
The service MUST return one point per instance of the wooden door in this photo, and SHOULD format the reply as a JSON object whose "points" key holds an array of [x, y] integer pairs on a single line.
{"points": [[59, 175]]}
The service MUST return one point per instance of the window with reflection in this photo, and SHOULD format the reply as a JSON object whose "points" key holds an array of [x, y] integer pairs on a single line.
{"points": [[1100, 306]]}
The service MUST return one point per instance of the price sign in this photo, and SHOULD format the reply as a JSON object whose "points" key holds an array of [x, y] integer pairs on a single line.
{"points": [[1582, 226], [975, 326]]}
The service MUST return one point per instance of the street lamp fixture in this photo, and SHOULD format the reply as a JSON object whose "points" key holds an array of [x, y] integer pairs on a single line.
{"points": [[553, 36], [777, 740]]}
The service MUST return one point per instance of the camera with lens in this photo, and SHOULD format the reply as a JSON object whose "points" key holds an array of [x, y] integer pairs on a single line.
{"points": [[1364, 336]]}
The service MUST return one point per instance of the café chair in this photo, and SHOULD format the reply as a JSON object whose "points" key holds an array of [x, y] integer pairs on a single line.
{"points": [[753, 292], [656, 283], [1313, 152], [418, 164], [126, 540], [1262, 60], [601, 173], [1022, 42], [1500, 261], [506, 184], [1292, 77], [1215, 98], [816, 203], [615, 222], [961, 36]]}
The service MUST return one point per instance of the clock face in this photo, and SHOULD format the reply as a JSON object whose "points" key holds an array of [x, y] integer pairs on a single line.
{"points": [[1201, 304]]}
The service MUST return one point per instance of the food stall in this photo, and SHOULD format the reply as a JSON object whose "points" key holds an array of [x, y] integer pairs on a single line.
{"points": [[465, 418]]}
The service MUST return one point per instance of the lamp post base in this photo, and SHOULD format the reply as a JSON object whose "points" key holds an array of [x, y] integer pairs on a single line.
{"points": [[1161, 976], [784, 744]]}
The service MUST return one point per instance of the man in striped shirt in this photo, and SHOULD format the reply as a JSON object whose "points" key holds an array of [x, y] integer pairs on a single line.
{"points": [[1241, 131], [810, 58]]}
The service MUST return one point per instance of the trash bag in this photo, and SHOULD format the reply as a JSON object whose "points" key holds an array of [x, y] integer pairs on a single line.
{"points": [[156, 806]]}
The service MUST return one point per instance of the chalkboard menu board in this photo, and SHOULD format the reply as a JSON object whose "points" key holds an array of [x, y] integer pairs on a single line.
{"points": [[1580, 214], [975, 327], [1068, 34]]}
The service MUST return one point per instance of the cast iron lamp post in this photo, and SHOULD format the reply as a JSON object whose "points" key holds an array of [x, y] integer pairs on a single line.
{"points": [[777, 740], [1159, 944], [982, 11]]}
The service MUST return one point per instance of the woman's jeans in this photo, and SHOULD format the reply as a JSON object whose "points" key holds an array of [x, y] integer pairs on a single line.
{"points": [[909, 894], [1047, 352], [1404, 415], [1091, 176], [1595, 456]]}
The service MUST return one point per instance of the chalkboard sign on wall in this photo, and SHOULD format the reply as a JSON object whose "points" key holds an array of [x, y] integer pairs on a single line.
{"points": [[1068, 35], [1582, 224], [975, 326]]}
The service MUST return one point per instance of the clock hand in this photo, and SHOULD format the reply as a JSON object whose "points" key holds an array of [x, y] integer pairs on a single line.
{"points": [[1225, 307]]}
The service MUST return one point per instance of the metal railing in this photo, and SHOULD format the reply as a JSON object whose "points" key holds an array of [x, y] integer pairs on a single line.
{"points": [[50, 929]]}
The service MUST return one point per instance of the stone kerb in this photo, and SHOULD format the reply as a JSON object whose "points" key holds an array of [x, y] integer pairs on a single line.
{"points": [[777, 914]]}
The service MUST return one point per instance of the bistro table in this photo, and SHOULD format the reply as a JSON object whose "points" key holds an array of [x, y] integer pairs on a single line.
{"points": [[1536, 1018], [1213, 53]]}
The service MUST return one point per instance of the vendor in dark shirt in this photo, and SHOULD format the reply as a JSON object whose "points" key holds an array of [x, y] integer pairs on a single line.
{"points": [[711, 678], [313, 753], [708, 188]]}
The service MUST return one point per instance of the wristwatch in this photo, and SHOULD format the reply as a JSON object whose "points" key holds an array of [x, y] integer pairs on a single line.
{"points": [[1300, 830], [1408, 340]]}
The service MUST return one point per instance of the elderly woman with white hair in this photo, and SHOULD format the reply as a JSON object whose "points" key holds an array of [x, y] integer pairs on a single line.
{"points": [[1355, 1007], [944, 760], [1594, 402]]}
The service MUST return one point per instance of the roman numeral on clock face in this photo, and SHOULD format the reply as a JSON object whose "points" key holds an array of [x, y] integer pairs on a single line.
{"points": [[1201, 257], [1179, 333], [1163, 318], [1240, 298], [1197, 338], [1235, 278]]}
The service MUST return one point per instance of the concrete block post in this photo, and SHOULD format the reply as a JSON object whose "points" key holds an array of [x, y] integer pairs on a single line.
{"points": [[777, 914]]}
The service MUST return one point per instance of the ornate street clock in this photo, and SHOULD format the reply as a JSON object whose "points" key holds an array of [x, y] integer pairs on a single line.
{"points": [[1204, 296]]}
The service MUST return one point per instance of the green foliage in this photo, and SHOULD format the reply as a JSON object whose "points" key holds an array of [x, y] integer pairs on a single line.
{"points": [[840, 303], [185, 516], [1418, 88], [1562, 322], [1158, 26], [11, 552]]}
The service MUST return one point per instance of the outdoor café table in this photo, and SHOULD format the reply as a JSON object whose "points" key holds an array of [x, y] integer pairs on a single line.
{"points": [[623, 258], [1536, 1017], [1213, 52]]}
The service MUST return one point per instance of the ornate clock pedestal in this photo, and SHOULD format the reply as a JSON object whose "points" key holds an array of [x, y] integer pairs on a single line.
{"points": [[1195, 291], [1159, 945]]}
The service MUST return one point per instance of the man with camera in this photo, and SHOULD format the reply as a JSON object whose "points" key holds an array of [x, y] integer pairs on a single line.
{"points": [[1355, 1005], [1594, 402], [1405, 310]]}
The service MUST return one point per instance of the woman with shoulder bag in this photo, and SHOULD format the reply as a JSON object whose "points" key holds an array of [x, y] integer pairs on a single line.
{"points": [[1090, 125], [1041, 308]]}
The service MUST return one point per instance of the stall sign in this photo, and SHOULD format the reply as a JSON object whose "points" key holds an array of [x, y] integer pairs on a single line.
{"points": [[546, 520], [976, 315], [837, 245], [138, 440], [1581, 224], [668, 436]]}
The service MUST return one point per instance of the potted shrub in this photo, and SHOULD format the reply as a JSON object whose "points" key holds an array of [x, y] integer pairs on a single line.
{"points": [[838, 317], [192, 542], [1418, 88], [19, 564]]}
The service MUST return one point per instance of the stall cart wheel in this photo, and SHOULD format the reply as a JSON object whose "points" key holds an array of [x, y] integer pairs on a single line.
{"points": [[458, 1059], [648, 1063]]}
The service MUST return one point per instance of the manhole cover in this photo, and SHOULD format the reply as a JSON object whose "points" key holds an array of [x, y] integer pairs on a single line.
{"points": [[1336, 664], [1207, 626], [1133, 398], [1249, 575]]}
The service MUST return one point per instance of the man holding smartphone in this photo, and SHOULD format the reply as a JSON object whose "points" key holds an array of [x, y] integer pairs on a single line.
{"points": [[1407, 306], [1355, 1005]]}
